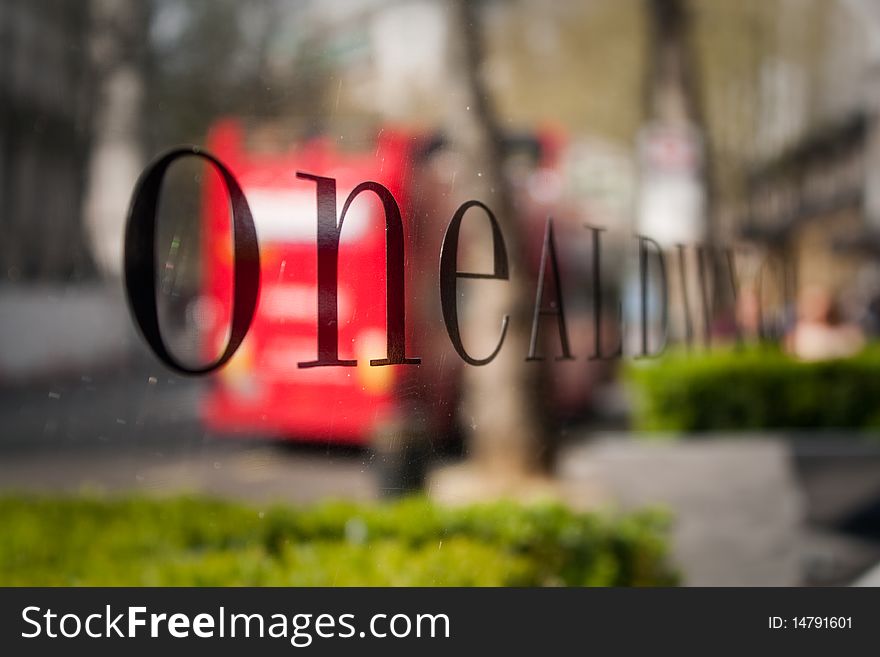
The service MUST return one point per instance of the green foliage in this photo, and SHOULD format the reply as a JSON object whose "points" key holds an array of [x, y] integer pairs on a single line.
{"points": [[196, 541], [756, 388]]}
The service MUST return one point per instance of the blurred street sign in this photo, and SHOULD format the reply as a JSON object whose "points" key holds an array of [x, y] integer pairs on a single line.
{"points": [[671, 195]]}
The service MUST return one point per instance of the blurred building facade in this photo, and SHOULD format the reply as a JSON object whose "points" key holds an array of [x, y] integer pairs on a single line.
{"points": [[45, 99], [810, 194]]}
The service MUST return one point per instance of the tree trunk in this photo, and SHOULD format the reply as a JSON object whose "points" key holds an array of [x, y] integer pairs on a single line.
{"points": [[499, 409]]}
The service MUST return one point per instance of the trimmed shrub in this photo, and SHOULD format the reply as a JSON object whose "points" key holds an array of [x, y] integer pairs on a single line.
{"points": [[195, 541], [755, 388]]}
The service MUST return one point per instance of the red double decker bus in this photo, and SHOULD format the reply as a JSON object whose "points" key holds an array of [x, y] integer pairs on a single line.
{"points": [[262, 391]]}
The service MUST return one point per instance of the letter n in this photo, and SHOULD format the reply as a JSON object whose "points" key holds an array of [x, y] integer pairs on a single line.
{"points": [[329, 231]]}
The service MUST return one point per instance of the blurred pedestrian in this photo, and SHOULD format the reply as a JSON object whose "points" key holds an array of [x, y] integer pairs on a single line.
{"points": [[821, 332]]}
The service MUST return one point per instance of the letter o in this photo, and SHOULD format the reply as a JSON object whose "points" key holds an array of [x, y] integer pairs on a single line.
{"points": [[77, 624], [394, 620], [140, 261]]}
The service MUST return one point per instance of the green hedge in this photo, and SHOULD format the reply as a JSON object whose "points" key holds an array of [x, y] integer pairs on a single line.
{"points": [[755, 388], [195, 541]]}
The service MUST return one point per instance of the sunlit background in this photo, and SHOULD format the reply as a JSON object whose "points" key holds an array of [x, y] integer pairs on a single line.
{"points": [[742, 138]]}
